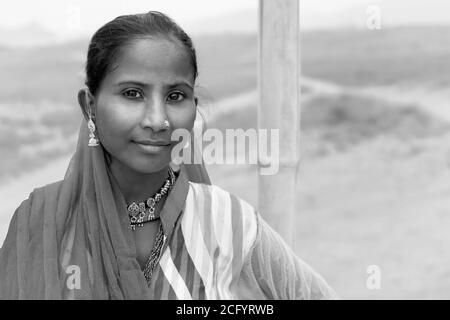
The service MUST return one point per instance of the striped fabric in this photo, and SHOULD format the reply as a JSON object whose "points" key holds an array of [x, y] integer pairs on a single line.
{"points": [[219, 247], [205, 254]]}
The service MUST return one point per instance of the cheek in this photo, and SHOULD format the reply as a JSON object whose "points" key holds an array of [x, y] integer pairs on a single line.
{"points": [[113, 124], [182, 117]]}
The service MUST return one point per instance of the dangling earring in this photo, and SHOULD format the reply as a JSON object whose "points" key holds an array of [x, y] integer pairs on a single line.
{"points": [[174, 166], [93, 141]]}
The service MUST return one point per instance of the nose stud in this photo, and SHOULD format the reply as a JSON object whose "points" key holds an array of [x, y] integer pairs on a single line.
{"points": [[166, 123]]}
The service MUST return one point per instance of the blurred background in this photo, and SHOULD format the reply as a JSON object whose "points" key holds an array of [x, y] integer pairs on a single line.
{"points": [[374, 181]]}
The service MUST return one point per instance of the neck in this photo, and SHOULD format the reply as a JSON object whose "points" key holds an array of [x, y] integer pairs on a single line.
{"points": [[137, 186]]}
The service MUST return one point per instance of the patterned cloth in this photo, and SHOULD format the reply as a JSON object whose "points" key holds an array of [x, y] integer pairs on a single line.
{"points": [[219, 247]]}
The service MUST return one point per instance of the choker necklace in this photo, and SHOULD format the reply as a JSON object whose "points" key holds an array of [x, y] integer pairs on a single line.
{"points": [[140, 213]]}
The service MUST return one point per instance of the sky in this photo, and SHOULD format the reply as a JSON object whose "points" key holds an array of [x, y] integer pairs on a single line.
{"points": [[66, 19], [83, 16]]}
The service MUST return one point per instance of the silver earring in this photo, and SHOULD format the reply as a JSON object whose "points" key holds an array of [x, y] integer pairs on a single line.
{"points": [[166, 123], [93, 141]]}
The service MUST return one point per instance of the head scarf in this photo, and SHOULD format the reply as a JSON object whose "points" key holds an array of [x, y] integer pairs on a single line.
{"points": [[73, 225]]}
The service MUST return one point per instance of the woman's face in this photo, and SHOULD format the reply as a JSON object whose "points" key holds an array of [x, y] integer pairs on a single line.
{"points": [[151, 81]]}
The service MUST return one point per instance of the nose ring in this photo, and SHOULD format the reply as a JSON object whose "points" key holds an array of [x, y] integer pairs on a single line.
{"points": [[166, 123]]}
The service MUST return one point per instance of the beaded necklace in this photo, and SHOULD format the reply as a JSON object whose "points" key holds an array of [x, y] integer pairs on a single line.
{"points": [[154, 255], [140, 213]]}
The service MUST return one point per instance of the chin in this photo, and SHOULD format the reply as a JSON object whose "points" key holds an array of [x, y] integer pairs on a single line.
{"points": [[150, 166]]}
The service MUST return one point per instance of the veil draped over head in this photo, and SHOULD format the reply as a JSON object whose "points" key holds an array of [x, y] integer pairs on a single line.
{"points": [[77, 225]]}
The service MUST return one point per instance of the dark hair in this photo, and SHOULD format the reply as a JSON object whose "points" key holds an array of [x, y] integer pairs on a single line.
{"points": [[107, 42]]}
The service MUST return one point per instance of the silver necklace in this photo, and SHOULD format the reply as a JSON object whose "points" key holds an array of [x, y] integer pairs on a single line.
{"points": [[142, 212], [154, 255]]}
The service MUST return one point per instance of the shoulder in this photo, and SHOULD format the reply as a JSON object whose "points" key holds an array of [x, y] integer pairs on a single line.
{"points": [[29, 214], [220, 201], [226, 213], [49, 189], [40, 195], [30, 211]]}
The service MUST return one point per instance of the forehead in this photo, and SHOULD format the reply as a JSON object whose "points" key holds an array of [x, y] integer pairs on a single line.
{"points": [[152, 60]]}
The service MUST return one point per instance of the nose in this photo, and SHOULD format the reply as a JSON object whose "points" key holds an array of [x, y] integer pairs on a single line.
{"points": [[154, 115]]}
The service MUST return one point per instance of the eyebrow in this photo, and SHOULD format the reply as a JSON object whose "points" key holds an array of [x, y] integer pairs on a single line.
{"points": [[143, 84]]}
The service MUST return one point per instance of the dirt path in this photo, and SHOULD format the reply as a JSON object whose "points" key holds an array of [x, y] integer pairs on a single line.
{"points": [[428, 98]]}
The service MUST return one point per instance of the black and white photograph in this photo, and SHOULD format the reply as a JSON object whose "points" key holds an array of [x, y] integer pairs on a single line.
{"points": [[246, 150]]}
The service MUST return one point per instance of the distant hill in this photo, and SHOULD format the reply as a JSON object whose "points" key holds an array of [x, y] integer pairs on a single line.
{"points": [[383, 57], [228, 62]]}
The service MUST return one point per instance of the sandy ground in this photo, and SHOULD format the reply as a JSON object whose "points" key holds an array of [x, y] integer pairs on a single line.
{"points": [[381, 203]]}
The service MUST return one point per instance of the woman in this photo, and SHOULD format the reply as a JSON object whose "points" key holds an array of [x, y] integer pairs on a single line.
{"points": [[125, 222]]}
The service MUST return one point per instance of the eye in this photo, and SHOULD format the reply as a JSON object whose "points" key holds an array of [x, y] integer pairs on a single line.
{"points": [[132, 94], [176, 96]]}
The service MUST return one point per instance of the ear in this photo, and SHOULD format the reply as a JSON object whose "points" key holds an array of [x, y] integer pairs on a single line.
{"points": [[86, 102]]}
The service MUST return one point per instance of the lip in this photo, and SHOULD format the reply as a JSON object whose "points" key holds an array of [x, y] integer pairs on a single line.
{"points": [[153, 143], [152, 147]]}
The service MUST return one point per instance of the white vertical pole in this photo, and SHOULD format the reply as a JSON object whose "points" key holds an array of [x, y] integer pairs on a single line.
{"points": [[279, 108]]}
